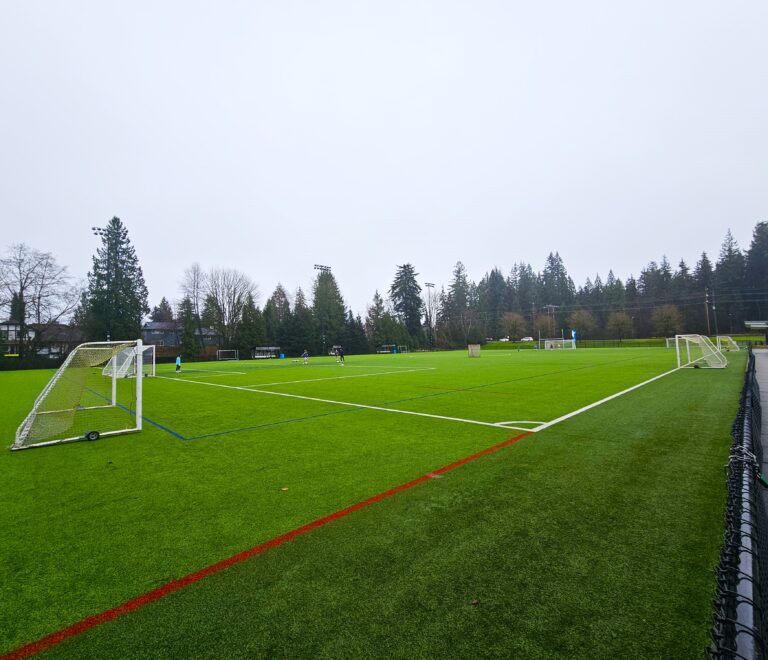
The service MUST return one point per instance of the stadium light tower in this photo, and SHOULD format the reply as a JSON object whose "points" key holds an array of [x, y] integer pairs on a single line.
{"points": [[323, 269], [103, 232]]}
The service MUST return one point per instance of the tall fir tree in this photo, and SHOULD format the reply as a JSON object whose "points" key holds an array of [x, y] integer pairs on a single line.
{"points": [[329, 311], [756, 273], [190, 345], [162, 312], [405, 294], [117, 294]]}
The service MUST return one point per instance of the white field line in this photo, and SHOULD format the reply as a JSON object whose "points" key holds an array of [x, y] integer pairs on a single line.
{"points": [[601, 401], [519, 421], [314, 380], [342, 403], [211, 372]]}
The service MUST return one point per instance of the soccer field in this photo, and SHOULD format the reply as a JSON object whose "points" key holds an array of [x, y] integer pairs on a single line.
{"points": [[591, 528]]}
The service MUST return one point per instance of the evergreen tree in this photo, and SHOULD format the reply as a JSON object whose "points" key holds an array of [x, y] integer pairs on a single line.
{"points": [[298, 328], [729, 282], [163, 311], [329, 311], [458, 311], [756, 273], [251, 329], [276, 313], [190, 345], [374, 321], [405, 294], [354, 340], [492, 300], [117, 293], [18, 308]]}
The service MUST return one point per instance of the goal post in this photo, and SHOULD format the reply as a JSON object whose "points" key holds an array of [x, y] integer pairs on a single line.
{"points": [[473, 350], [726, 344], [557, 343], [698, 351], [81, 401], [227, 354]]}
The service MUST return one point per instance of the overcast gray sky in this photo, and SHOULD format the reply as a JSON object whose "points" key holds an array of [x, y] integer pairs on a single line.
{"points": [[270, 136]]}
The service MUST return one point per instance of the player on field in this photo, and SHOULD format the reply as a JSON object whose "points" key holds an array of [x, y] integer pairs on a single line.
{"points": [[305, 355], [340, 355], [178, 364]]}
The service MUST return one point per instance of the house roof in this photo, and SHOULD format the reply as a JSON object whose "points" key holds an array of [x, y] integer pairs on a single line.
{"points": [[161, 325]]}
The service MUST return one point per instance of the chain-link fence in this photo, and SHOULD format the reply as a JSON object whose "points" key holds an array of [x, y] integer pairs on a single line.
{"points": [[739, 620]]}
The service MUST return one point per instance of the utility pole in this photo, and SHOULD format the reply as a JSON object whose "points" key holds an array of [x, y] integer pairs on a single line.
{"points": [[714, 312], [430, 292], [706, 309]]}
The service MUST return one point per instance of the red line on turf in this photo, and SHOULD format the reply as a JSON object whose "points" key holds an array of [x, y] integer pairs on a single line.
{"points": [[175, 585]]}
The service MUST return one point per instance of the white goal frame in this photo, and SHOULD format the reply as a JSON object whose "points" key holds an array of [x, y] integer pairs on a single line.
{"points": [[725, 343], [698, 352], [227, 354], [559, 343], [90, 356], [125, 362], [473, 350]]}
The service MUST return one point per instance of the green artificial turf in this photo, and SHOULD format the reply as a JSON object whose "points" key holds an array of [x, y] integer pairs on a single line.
{"points": [[596, 536]]}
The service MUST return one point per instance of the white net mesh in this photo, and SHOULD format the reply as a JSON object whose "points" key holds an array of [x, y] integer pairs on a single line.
{"points": [[698, 351], [83, 398], [473, 350]]}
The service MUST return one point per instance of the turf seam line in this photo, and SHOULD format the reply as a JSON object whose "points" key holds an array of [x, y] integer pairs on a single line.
{"points": [[90, 622]]}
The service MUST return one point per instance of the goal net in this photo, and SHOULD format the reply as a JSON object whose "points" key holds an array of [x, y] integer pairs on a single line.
{"points": [[558, 344], [473, 350], [81, 401], [726, 344], [670, 342], [123, 365], [698, 351], [227, 354]]}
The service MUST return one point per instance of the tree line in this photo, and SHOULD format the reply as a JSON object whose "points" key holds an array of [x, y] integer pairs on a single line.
{"points": [[708, 298]]}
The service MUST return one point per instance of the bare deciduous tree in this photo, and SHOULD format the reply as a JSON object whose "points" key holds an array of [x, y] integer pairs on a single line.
{"points": [[228, 289], [40, 288]]}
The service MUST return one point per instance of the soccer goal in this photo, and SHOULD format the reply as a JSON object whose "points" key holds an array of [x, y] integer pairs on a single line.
{"points": [[227, 354], [670, 342], [81, 401], [124, 363], [698, 351], [473, 350], [726, 344], [552, 344]]}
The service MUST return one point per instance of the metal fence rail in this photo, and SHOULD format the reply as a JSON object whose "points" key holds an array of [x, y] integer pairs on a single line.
{"points": [[741, 601]]}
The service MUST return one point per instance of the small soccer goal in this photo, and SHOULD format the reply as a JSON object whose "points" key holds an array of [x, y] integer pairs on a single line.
{"points": [[670, 342], [698, 351], [123, 365], [726, 344], [559, 344], [86, 399], [227, 354], [473, 350]]}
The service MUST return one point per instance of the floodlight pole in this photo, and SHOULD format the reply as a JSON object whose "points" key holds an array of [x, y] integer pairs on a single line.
{"points": [[103, 232], [323, 269]]}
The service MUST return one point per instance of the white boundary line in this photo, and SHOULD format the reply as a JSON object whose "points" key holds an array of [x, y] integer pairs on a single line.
{"points": [[601, 401], [314, 380], [502, 425], [341, 403]]}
